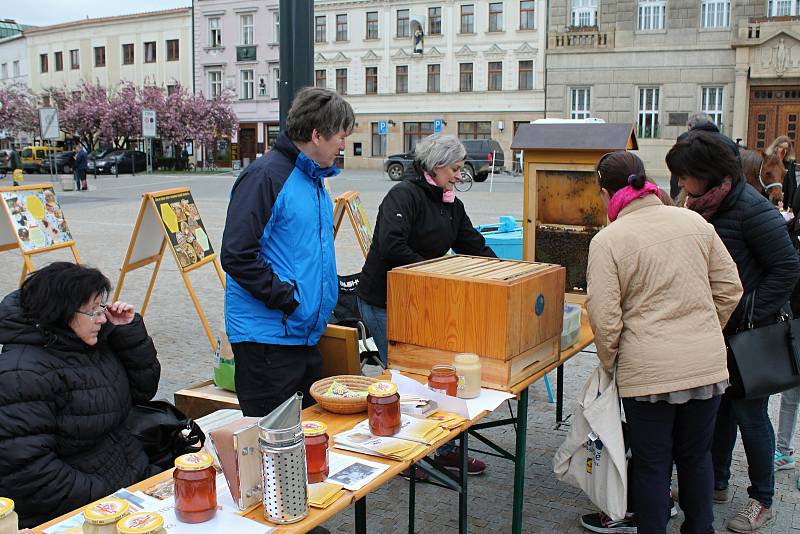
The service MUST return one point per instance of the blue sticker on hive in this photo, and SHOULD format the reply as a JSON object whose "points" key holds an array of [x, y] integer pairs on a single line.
{"points": [[539, 304]]}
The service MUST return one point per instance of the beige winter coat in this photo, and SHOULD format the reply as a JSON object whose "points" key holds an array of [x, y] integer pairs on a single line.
{"points": [[661, 285]]}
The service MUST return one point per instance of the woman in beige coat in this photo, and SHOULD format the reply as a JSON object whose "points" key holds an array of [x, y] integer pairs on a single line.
{"points": [[661, 286]]}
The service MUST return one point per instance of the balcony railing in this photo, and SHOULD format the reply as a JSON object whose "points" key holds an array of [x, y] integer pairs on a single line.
{"points": [[582, 38], [246, 53], [754, 27]]}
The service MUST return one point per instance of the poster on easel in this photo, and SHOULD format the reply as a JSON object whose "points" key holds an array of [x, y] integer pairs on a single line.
{"points": [[349, 203], [170, 218], [34, 223]]}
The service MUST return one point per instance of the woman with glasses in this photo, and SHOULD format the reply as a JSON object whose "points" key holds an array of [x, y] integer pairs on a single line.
{"points": [[71, 368], [661, 286]]}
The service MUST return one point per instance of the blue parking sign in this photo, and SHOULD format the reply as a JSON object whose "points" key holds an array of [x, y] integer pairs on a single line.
{"points": [[383, 128], [437, 126]]}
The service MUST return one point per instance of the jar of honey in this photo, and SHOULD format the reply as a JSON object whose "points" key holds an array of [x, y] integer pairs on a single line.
{"points": [[195, 488], [383, 408], [101, 517], [316, 440], [9, 522], [141, 523], [442, 379], [468, 369]]}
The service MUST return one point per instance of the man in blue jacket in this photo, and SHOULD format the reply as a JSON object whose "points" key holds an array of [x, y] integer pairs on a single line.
{"points": [[277, 250]]}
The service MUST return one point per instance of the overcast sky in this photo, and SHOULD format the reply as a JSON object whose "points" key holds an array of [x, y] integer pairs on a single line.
{"points": [[46, 12]]}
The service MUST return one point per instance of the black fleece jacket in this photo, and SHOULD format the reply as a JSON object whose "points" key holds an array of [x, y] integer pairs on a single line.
{"points": [[414, 225]]}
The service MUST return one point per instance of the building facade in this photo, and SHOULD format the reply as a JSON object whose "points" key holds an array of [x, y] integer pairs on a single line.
{"points": [[236, 49], [152, 48], [475, 67], [654, 62], [14, 60]]}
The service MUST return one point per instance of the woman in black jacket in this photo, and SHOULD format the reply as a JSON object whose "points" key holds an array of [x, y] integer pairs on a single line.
{"points": [[419, 219], [755, 235], [70, 370]]}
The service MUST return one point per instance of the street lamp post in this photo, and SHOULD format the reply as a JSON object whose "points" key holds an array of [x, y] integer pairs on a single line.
{"points": [[296, 51]]}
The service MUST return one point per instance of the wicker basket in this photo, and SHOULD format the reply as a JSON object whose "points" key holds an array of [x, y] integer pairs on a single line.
{"points": [[343, 405]]}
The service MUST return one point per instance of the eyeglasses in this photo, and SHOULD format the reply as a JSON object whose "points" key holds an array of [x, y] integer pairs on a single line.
{"points": [[96, 313]]}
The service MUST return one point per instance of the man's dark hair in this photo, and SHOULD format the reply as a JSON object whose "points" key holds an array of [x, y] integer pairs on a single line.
{"points": [[315, 108], [53, 294], [706, 156]]}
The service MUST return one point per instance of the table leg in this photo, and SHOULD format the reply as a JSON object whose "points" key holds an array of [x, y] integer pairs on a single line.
{"points": [[560, 394], [462, 497], [361, 515], [412, 497], [519, 463]]}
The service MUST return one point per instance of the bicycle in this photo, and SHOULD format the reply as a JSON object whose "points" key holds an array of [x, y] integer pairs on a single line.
{"points": [[465, 183]]}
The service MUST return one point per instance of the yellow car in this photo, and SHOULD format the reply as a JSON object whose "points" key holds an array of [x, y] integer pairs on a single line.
{"points": [[33, 156]]}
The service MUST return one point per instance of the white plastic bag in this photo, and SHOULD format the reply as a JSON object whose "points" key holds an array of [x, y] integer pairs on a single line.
{"points": [[592, 457]]}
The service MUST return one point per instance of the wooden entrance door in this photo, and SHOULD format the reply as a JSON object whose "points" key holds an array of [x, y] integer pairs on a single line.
{"points": [[247, 143], [774, 111]]}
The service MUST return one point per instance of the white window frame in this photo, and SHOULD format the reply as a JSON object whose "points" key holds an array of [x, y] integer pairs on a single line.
{"points": [[712, 103], [500, 16], [4, 71], [247, 84], [526, 27], [275, 73], [584, 13], [652, 15], [276, 26], [214, 83], [580, 102], [214, 32], [783, 8], [16, 68], [649, 116], [715, 13], [246, 29]]}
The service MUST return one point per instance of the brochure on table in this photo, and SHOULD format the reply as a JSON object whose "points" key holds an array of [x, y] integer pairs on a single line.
{"points": [[487, 401]]}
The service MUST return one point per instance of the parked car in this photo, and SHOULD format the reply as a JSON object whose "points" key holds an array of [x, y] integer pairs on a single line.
{"points": [[96, 154], [64, 163], [5, 161], [32, 157], [119, 162], [477, 164]]}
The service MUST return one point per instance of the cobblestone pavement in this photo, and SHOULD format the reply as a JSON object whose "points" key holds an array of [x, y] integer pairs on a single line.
{"points": [[102, 220]]}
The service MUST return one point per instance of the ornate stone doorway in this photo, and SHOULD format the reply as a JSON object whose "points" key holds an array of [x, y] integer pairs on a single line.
{"points": [[774, 111]]}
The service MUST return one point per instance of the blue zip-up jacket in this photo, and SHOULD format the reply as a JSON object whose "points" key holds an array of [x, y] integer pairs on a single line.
{"points": [[277, 250]]}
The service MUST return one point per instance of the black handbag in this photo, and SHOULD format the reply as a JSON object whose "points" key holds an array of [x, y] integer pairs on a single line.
{"points": [[164, 432], [764, 360]]}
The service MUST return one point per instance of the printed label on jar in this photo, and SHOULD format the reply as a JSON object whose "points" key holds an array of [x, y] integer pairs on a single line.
{"points": [[462, 383]]}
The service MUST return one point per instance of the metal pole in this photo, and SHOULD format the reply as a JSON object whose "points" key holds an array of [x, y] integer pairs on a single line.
{"points": [[519, 462], [296, 51], [491, 181]]}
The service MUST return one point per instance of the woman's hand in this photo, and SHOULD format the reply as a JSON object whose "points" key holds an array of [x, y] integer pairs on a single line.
{"points": [[119, 313]]}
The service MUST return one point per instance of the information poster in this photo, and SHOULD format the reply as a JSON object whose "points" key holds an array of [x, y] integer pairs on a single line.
{"points": [[37, 218], [187, 236]]}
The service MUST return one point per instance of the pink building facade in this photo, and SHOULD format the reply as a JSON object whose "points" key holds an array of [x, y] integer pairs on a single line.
{"points": [[236, 50]]}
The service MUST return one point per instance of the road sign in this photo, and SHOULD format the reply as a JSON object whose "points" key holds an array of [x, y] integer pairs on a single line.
{"points": [[437, 126], [148, 123], [48, 121], [383, 128]]}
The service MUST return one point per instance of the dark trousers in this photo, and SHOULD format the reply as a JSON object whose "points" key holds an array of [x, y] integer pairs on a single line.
{"points": [[267, 375], [80, 178], [661, 433], [758, 438]]}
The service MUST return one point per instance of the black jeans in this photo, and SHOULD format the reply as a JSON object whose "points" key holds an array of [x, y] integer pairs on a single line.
{"points": [[758, 438], [267, 375], [661, 433]]}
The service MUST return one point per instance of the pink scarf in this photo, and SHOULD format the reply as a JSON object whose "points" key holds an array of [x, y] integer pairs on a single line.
{"points": [[626, 195], [447, 196]]}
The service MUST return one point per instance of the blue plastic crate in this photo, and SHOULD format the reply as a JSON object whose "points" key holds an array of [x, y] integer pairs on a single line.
{"points": [[505, 239]]}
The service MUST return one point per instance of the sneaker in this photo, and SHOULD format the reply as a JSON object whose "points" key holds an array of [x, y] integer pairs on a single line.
{"points": [[722, 496], [419, 475], [600, 522], [783, 461], [752, 517], [453, 461]]}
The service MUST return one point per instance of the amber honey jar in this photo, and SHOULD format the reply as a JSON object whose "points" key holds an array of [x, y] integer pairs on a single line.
{"points": [[195, 488], [443, 379], [383, 408], [316, 440]]}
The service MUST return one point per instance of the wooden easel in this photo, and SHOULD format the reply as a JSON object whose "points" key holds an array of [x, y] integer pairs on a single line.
{"points": [[25, 230], [156, 227], [350, 203]]}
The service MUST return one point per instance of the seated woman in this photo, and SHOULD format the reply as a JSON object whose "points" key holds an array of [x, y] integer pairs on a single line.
{"points": [[419, 219], [654, 274], [70, 370]]}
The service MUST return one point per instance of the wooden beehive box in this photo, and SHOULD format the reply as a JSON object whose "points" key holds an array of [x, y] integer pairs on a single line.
{"points": [[508, 312]]}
